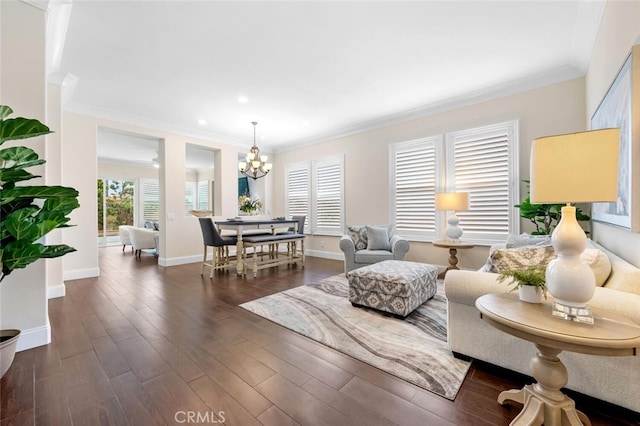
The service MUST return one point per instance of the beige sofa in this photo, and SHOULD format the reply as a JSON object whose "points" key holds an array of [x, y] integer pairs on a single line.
{"points": [[612, 379]]}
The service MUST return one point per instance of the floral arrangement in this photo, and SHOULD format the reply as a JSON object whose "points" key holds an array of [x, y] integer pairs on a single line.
{"points": [[248, 204]]}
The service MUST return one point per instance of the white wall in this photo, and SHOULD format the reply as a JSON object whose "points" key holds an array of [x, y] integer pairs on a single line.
{"points": [[23, 294], [619, 31], [181, 239], [550, 110]]}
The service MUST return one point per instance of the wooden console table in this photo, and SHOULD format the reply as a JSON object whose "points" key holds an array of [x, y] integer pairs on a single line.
{"points": [[543, 401]]}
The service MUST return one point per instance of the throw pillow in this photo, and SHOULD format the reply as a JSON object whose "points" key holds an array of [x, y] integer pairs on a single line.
{"points": [[359, 236], [378, 238], [524, 239], [599, 263], [521, 258]]}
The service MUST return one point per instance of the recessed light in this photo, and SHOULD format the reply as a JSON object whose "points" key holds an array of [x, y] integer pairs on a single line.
{"points": [[243, 99], [202, 122]]}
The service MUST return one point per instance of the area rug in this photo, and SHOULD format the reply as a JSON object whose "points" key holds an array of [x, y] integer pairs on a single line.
{"points": [[414, 349]]}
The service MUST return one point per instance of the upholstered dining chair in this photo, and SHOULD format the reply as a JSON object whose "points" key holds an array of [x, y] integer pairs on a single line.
{"points": [[212, 238]]}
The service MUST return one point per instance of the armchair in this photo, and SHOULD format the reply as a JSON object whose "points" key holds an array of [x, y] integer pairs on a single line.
{"points": [[365, 245]]}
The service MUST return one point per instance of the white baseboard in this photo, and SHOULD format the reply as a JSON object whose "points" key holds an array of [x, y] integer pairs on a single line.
{"points": [[54, 291], [174, 261], [78, 274], [34, 337], [325, 254]]}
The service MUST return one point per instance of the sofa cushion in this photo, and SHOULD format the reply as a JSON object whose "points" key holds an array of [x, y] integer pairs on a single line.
{"points": [[524, 239], [378, 238], [599, 263], [521, 258]]}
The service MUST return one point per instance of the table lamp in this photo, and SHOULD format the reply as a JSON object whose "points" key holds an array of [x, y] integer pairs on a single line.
{"points": [[454, 201], [576, 167]]}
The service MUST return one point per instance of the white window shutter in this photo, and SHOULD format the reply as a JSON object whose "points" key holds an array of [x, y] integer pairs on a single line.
{"points": [[483, 162], [297, 190], [328, 197], [415, 176], [150, 200], [203, 195]]}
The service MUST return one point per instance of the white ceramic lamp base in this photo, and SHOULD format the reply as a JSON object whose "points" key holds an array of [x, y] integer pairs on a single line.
{"points": [[568, 280], [453, 231]]}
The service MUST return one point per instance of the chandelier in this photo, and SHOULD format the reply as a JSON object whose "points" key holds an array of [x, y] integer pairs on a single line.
{"points": [[256, 165]]}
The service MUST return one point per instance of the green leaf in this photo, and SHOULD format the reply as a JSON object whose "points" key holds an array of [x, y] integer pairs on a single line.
{"points": [[20, 157], [19, 254], [57, 250], [5, 111], [21, 128], [43, 192], [12, 175], [63, 205], [20, 225]]}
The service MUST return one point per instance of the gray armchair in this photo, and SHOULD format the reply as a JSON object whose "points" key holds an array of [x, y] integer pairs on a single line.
{"points": [[364, 245]]}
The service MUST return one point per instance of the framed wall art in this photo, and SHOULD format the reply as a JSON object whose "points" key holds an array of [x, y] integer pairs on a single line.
{"points": [[620, 108]]}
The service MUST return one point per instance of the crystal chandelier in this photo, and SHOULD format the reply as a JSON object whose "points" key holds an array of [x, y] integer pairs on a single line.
{"points": [[256, 165]]}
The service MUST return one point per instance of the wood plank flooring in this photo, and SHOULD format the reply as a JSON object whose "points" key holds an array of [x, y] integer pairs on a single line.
{"points": [[148, 345]]}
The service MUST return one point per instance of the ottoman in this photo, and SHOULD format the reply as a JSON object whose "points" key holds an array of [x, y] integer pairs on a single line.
{"points": [[393, 286]]}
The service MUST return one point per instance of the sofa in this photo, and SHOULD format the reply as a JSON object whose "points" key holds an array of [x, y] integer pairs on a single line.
{"points": [[612, 379], [364, 245]]}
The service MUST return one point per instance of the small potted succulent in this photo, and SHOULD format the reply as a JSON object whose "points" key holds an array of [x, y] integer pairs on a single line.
{"points": [[27, 212], [530, 282]]}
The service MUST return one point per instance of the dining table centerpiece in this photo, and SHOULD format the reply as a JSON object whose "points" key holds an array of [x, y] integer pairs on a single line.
{"points": [[249, 205]]}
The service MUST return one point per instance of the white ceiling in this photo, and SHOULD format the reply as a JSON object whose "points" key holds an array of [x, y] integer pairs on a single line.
{"points": [[313, 70]]}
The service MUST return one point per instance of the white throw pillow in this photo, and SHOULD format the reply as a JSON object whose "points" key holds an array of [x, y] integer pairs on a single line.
{"points": [[599, 263]]}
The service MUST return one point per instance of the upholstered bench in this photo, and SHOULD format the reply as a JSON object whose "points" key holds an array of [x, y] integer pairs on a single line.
{"points": [[393, 286]]}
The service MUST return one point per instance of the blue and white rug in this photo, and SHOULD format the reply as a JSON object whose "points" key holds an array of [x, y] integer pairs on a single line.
{"points": [[414, 349]]}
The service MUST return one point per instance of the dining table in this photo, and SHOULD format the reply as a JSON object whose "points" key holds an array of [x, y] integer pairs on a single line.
{"points": [[242, 225]]}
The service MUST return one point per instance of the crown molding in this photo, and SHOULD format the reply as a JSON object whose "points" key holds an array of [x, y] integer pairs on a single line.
{"points": [[39, 4], [513, 87], [151, 124]]}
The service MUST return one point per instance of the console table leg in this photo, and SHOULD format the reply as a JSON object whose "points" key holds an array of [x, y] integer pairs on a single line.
{"points": [[453, 258]]}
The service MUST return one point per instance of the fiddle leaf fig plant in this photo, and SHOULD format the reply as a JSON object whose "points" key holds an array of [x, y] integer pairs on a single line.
{"points": [[28, 212], [545, 217]]}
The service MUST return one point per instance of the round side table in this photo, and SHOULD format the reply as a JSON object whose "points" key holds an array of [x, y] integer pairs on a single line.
{"points": [[543, 402], [453, 247]]}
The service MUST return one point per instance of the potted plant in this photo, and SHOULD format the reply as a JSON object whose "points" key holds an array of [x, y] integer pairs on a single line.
{"points": [[27, 212], [544, 217], [530, 282], [249, 205]]}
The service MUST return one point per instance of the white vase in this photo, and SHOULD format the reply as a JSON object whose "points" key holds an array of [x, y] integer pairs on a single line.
{"points": [[530, 294]]}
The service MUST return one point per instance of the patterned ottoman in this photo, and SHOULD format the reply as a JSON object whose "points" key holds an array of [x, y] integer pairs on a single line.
{"points": [[393, 286]]}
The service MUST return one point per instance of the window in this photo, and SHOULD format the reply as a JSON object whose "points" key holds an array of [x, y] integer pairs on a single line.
{"points": [[323, 201], [484, 162], [150, 200], [203, 195], [415, 176], [481, 161], [190, 191]]}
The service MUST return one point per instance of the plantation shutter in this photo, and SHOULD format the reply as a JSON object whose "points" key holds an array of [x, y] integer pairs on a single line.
{"points": [[203, 195], [150, 200], [328, 193], [297, 193], [485, 165], [190, 191], [415, 171]]}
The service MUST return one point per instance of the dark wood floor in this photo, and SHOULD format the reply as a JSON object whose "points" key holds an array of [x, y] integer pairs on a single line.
{"points": [[144, 345]]}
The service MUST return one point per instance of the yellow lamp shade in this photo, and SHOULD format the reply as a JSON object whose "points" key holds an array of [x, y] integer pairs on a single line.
{"points": [[452, 201], [576, 167]]}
